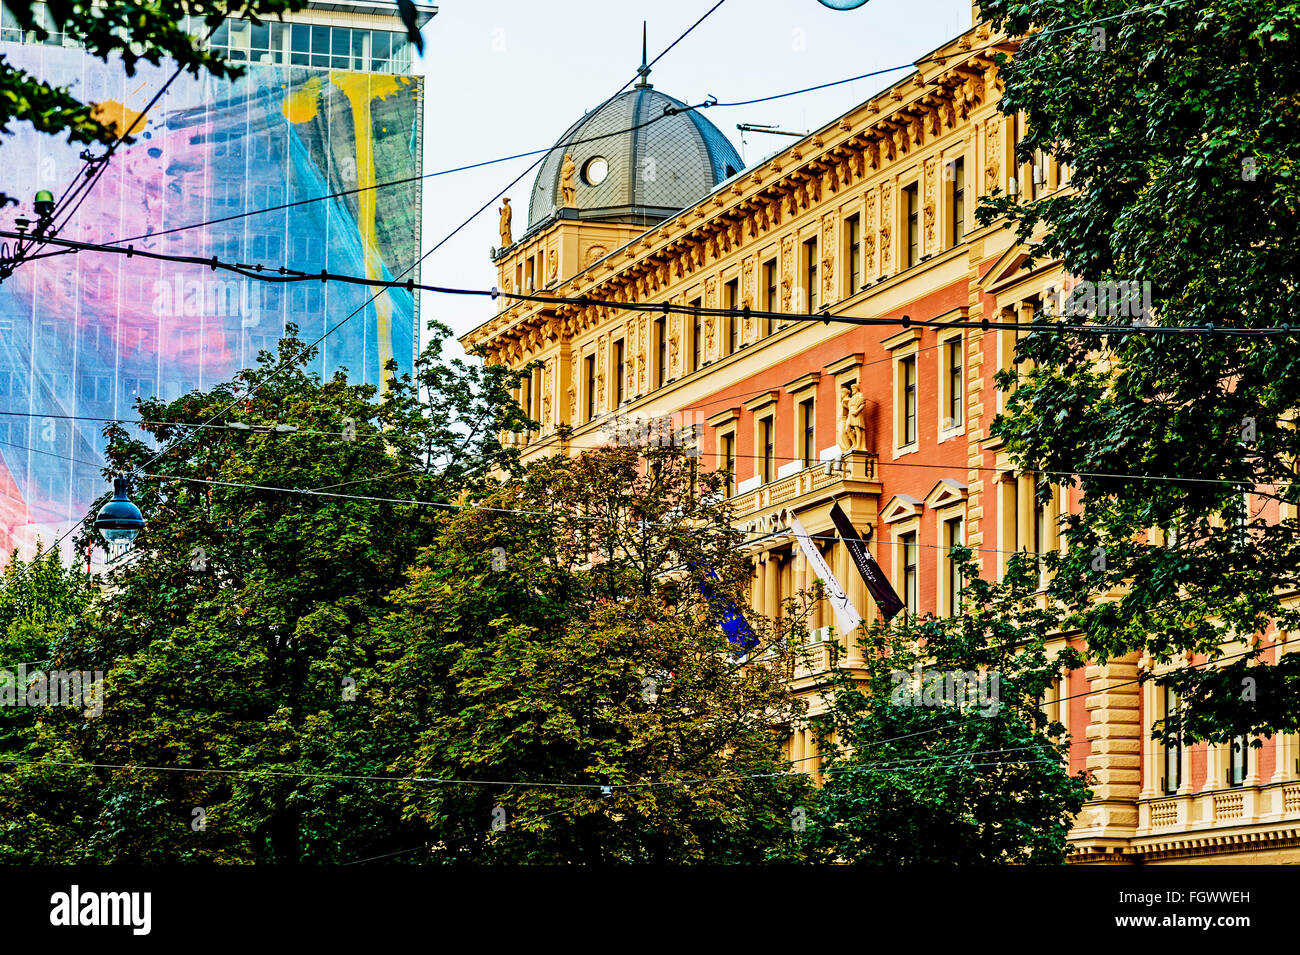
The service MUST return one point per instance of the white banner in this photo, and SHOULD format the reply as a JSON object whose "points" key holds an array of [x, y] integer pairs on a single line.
{"points": [[846, 615]]}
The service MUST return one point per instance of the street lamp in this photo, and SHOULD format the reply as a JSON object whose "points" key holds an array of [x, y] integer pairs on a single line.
{"points": [[119, 520]]}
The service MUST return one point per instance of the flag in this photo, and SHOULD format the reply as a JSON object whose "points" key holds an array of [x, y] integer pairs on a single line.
{"points": [[846, 615], [872, 575], [734, 624]]}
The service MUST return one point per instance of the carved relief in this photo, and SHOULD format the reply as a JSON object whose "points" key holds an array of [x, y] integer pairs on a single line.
{"points": [[872, 153], [747, 293], [917, 129], [774, 210], [886, 211], [595, 253], [548, 379], [931, 203], [787, 271], [815, 186], [573, 405], [993, 168], [828, 258]]}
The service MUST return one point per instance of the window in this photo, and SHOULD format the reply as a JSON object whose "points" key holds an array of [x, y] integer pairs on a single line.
{"points": [[808, 431], [911, 209], [1238, 761], [957, 201], [810, 274], [766, 439], [907, 399], [590, 364], [1043, 538], [953, 537], [855, 252], [1173, 755], [729, 462], [620, 372], [732, 298], [955, 396], [771, 303], [661, 347], [907, 543], [697, 336]]}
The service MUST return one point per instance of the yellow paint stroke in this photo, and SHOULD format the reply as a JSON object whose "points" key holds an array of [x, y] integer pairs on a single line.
{"points": [[301, 105], [361, 89], [116, 116]]}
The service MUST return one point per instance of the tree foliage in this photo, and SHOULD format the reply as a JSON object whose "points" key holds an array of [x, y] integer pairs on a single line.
{"points": [[924, 767], [1177, 123]]}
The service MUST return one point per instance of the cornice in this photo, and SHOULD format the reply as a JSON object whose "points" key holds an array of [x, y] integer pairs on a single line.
{"points": [[947, 88]]}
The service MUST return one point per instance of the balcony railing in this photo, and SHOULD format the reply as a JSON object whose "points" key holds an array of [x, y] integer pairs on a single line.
{"points": [[856, 465]]}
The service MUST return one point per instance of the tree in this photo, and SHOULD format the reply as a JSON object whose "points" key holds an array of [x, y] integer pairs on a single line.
{"points": [[236, 638], [1176, 122], [943, 753], [567, 631]]}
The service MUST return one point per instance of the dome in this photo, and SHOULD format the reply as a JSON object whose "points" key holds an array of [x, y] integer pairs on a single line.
{"points": [[639, 175]]}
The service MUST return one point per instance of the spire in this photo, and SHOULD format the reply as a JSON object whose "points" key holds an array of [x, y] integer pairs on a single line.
{"points": [[643, 71]]}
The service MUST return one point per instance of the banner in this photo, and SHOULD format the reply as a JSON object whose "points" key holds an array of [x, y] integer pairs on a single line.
{"points": [[872, 575], [846, 615], [734, 624]]}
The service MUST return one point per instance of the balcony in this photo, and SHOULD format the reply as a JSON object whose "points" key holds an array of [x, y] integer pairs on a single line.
{"points": [[857, 467]]}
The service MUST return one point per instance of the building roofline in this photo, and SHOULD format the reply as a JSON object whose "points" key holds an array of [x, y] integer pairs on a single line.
{"points": [[424, 12]]}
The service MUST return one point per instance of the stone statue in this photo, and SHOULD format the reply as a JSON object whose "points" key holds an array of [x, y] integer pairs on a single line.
{"points": [[507, 240], [568, 191], [853, 422]]}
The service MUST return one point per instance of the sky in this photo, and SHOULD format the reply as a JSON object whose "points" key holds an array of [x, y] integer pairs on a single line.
{"points": [[508, 76]]}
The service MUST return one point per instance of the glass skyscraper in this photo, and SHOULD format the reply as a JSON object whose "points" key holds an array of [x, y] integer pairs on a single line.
{"points": [[327, 105]]}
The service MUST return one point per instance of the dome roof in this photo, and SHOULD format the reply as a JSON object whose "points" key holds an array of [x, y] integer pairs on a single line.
{"points": [[641, 175]]}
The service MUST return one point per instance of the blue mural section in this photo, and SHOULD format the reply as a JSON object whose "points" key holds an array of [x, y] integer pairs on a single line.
{"points": [[83, 336]]}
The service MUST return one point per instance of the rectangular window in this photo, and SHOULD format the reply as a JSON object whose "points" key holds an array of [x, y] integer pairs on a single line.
{"points": [[620, 372], [729, 462], [808, 431], [661, 349], [770, 301], [1238, 761], [766, 441], [810, 274], [732, 298], [953, 537], [911, 209], [855, 253], [1173, 776], [590, 364], [958, 201], [697, 336], [1042, 539], [907, 398], [910, 568], [956, 397]]}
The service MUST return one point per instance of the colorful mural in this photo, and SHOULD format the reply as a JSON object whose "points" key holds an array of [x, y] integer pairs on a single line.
{"points": [[81, 336]]}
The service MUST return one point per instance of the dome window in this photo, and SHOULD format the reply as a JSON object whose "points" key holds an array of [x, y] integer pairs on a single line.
{"points": [[594, 170]]}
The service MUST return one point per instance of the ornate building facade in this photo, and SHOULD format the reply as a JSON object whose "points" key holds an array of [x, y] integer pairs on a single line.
{"points": [[870, 216]]}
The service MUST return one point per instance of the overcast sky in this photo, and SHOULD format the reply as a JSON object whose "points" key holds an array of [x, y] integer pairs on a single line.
{"points": [[507, 76]]}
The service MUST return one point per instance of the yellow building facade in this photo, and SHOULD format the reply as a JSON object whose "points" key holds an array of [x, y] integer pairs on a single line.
{"points": [[869, 217]]}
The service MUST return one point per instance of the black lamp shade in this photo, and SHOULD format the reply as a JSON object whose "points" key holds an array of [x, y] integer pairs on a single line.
{"points": [[119, 520]]}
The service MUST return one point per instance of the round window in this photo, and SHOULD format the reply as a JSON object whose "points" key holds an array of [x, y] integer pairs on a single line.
{"points": [[595, 170]]}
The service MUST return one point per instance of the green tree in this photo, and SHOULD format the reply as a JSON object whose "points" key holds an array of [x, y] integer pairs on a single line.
{"points": [[1177, 124], [236, 636], [570, 632], [923, 768]]}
